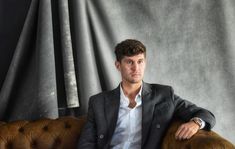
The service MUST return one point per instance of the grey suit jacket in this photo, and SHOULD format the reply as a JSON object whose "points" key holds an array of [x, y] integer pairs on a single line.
{"points": [[159, 107]]}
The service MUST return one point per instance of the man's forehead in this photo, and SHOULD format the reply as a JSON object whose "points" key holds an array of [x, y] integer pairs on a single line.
{"points": [[135, 57]]}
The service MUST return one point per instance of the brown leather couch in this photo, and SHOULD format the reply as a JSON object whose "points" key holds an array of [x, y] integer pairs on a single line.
{"points": [[63, 133]]}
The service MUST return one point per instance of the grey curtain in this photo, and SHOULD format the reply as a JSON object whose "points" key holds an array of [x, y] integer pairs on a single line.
{"points": [[65, 54]]}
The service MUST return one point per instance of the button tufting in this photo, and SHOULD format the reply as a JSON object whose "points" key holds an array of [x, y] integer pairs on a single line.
{"points": [[45, 128], [57, 142], [67, 125], [9, 145], [33, 144], [21, 129]]}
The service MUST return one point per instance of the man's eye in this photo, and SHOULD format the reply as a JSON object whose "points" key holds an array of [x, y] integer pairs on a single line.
{"points": [[140, 62], [129, 62]]}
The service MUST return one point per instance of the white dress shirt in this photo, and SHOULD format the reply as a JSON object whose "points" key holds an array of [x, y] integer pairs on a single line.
{"points": [[127, 134]]}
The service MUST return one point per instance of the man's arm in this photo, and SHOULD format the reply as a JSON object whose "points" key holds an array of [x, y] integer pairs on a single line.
{"points": [[87, 139], [186, 110]]}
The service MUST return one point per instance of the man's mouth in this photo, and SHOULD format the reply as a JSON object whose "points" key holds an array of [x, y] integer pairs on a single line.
{"points": [[135, 74]]}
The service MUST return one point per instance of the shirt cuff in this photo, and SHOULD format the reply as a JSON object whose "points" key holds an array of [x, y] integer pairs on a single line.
{"points": [[203, 124]]}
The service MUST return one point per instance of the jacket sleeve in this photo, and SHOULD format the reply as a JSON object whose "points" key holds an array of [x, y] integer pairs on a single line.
{"points": [[185, 110], [87, 139]]}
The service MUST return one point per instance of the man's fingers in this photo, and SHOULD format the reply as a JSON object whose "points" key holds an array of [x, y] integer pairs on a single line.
{"points": [[180, 132], [183, 133], [187, 134], [186, 131]]}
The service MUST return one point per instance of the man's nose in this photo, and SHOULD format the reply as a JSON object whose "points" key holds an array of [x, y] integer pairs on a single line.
{"points": [[135, 66]]}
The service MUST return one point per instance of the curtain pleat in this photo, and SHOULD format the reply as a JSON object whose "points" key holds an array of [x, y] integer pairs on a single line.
{"points": [[67, 56], [85, 57], [46, 77], [103, 39], [17, 64]]}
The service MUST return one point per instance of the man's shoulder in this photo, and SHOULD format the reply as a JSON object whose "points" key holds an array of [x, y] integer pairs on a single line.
{"points": [[103, 94], [155, 86], [158, 89]]}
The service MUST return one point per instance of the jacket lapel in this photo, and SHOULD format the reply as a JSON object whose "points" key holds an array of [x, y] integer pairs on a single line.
{"points": [[112, 103], [147, 110]]}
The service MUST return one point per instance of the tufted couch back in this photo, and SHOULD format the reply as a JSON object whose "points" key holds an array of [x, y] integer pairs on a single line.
{"points": [[64, 132], [61, 133]]}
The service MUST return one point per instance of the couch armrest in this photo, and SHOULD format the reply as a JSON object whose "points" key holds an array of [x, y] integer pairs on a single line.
{"points": [[203, 140]]}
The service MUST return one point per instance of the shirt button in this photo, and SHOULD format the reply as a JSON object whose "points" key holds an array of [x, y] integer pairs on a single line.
{"points": [[158, 126], [101, 136]]}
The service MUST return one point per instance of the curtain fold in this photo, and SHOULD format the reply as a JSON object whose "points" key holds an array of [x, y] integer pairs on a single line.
{"points": [[18, 61], [67, 54], [29, 90], [85, 58], [103, 40], [46, 77]]}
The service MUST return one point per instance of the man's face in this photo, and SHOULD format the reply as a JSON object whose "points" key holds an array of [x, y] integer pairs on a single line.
{"points": [[132, 68]]}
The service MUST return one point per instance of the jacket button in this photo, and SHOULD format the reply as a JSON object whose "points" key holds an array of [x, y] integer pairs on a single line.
{"points": [[158, 126], [101, 136]]}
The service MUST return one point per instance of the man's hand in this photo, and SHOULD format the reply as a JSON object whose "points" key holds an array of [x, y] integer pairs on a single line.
{"points": [[186, 130]]}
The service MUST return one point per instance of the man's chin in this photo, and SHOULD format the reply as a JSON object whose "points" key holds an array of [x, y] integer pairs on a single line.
{"points": [[135, 81]]}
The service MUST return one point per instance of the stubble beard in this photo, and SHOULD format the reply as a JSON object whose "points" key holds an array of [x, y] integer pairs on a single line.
{"points": [[134, 81]]}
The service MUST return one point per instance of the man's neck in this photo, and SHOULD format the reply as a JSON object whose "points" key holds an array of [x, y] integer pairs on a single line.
{"points": [[131, 89]]}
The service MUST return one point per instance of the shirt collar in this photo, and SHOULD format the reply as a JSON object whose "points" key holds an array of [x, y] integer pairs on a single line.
{"points": [[125, 100]]}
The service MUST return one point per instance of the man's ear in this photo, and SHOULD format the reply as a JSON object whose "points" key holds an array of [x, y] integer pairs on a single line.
{"points": [[117, 64]]}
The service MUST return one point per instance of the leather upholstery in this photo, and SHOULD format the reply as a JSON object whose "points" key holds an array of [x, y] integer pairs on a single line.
{"points": [[202, 140], [61, 133], [64, 132]]}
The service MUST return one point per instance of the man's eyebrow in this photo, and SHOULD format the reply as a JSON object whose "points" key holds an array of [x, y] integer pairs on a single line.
{"points": [[128, 59]]}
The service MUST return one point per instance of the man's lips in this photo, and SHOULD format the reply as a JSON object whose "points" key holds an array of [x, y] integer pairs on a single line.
{"points": [[135, 74]]}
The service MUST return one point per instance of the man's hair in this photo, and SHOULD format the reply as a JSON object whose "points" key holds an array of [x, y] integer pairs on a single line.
{"points": [[129, 47]]}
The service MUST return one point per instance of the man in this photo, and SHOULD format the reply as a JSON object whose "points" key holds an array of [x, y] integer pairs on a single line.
{"points": [[136, 114]]}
